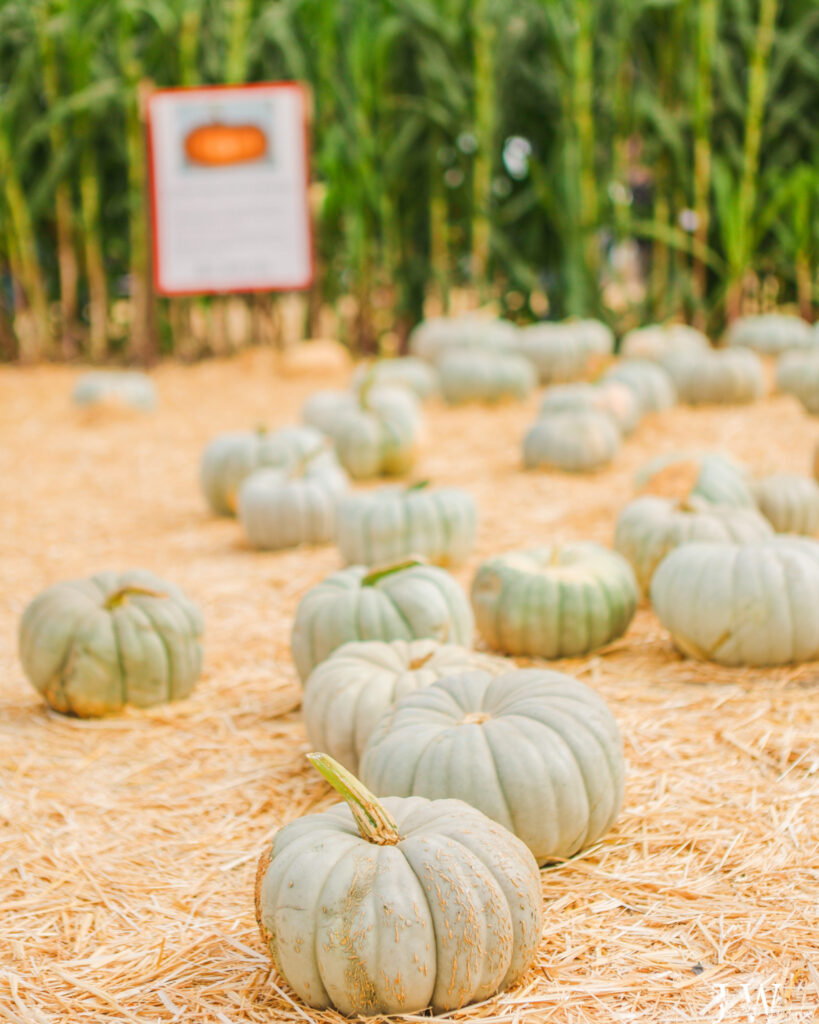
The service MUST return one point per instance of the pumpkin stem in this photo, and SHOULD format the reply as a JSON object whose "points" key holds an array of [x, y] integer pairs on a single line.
{"points": [[376, 575], [555, 556], [375, 823], [419, 485], [260, 430], [300, 465], [417, 663], [367, 384], [120, 596]]}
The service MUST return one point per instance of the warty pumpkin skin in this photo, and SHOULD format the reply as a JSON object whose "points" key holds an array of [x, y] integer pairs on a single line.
{"points": [[433, 338], [396, 906], [732, 376], [405, 601], [536, 751], [554, 602], [710, 475], [656, 341], [576, 442], [403, 371], [742, 604], [770, 334], [648, 528], [611, 398], [92, 646], [115, 387], [347, 694], [468, 376], [789, 502], [382, 526], [219, 145], [652, 386]]}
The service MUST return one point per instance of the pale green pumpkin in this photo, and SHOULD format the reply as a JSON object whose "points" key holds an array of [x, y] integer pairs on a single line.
{"points": [[558, 353], [656, 341], [649, 382], [128, 388], [710, 475], [230, 458], [92, 646], [468, 376], [609, 397], [347, 694], [406, 601], [536, 751], [770, 334], [730, 376], [560, 601], [384, 526], [595, 336], [396, 906], [797, 374], [789, 502], [576, 442], [648, 528], [433, 338], [742, 604], [403, 371]]}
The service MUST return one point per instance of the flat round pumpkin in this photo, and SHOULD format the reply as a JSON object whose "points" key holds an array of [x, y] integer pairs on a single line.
{"points": [[576, 442], [789, 502], [536, 751], [397, 906], [123, 388], [710, 475], [650, 383], [656, 341], [557, 352], [554, 602], [468, 376], [92, 646], [770, 334], [611, 397], [347, 694], [797, 374], [404, 371], [433, 338], [732, 376]]}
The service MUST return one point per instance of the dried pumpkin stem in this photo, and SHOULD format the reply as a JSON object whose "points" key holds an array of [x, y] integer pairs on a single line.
{"points": [[375, 575], [120, 596], [555, 558], [375, 823]]}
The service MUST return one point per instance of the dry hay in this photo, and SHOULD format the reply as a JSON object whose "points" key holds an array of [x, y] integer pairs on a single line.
{"points": [[127, 846]]}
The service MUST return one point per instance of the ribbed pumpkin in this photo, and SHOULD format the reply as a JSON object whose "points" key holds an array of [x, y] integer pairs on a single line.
{"points": [[789, 502], [218, 144], [127, 388], [710, 475], [648, 528], [730, 376], [576, 442], [92, 646], [230, 458], [650, 383], [770, 334], [560, 601], [537, 751], [656, 341], [405, 601], [742, 604], [468, 376], [595, 336], [609, 397], [347, 694], [394, 522], [797, 373], [280, 508], [404, 371], [397, 906], [376, 431], [433, 338], [558, 353]]}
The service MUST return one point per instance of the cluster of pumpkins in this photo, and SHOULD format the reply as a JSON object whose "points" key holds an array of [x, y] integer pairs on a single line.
{"points": [[460, 772]]}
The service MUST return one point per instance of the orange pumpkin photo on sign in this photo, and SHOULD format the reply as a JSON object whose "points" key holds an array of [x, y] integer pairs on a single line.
{"points": [[218, 144]]}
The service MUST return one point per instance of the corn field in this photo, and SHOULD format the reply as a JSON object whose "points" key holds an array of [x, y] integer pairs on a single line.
{"points": [[633, 160]]}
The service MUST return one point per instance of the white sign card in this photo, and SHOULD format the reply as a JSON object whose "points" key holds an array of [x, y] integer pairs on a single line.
{"points": [[229, 189]]}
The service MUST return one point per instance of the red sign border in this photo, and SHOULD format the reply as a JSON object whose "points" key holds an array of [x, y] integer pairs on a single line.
{"points": [[249, 288]]}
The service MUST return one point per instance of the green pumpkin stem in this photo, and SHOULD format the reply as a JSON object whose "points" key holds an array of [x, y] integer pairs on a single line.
{"points": [[300, 465], [375, 823], [419, 485], [120, 596], [379, 573], [367, 384]]}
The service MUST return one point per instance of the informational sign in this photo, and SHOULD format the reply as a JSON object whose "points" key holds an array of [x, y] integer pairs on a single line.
{"points": [[229, 177]]}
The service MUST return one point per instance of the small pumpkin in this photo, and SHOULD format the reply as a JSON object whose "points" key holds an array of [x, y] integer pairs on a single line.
{"points": [[296, 504], [656, 341], [468, 376], [537, 751], [576, 442], [650, 383], [770, 334], [742, 604], [609, 397], [126, 388], [648, 528], [94, 645], [789, 502], [730, 376], [406, 601], [392, 523], [404, 371], [560, 601], [433, 338], [594, 335], [558, 353], [230, 458], [710, 475], [376, 432], [347, 694], [219, 145], [797, 374], [395, 906]]}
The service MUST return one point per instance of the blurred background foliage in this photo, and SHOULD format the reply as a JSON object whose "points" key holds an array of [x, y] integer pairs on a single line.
{"points": [[634, 160]]}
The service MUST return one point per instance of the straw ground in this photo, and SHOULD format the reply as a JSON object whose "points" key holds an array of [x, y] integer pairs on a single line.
{"points": [[128, 846]]}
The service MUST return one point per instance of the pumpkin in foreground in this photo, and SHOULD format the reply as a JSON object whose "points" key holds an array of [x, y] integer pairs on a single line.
{"points": [[347, 694], [554, 602], [535, 750], [397, 906], [92, 646], [409, 600]]}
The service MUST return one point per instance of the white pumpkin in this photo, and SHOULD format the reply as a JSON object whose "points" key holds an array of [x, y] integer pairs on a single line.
{"points": [[652, 386], [557, 352], [383, 526], [789, 502], [742, 604], [797, 373], [724, 376], [433, 338], [468, 376], [609, 397], [127, 388], [576, 442], [347, 694], [406, 601], [656, 341], [714, 476], [537, 751], [595, 336], [403, 371], [560, 601], [771, 334], [648, 528]]}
